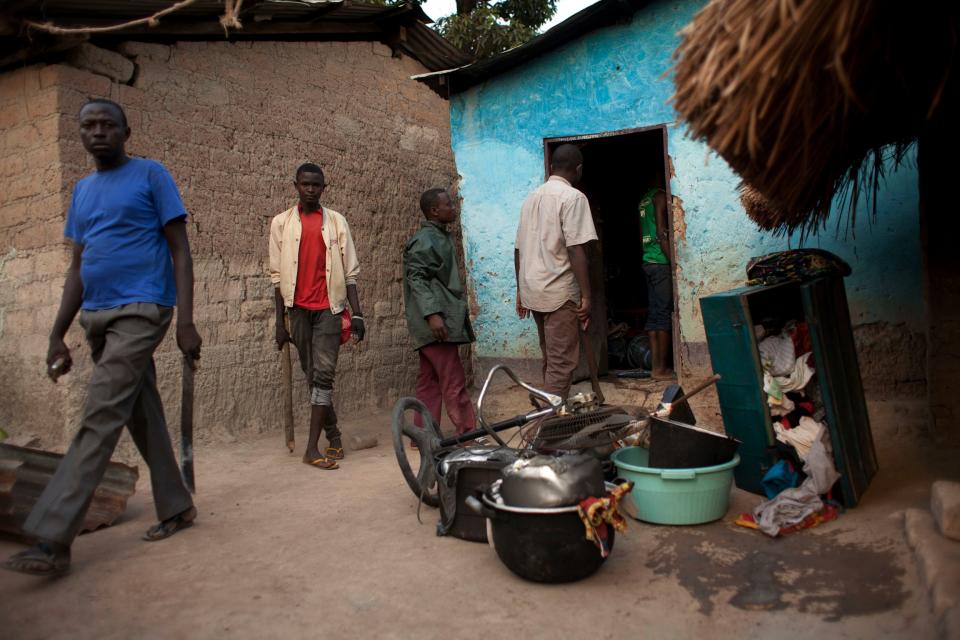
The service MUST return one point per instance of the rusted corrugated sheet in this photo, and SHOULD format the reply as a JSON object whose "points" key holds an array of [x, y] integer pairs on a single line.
{"points": [[432, 50], [25, 472], [402, 27], [130, 9]]}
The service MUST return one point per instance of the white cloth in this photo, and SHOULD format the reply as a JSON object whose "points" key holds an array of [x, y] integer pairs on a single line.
{"points": [[780, 405], [800, 437], [791, 506], [797, 379], [777, 355]]}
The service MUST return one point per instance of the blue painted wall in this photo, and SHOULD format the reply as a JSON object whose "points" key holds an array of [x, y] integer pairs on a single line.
{"points": [[613, 79]]}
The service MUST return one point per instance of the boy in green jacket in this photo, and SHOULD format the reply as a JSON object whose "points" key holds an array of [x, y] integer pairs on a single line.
{"points": [[436, 310]]}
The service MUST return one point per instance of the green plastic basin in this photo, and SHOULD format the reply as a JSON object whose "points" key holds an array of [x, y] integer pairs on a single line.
{"points": [[675, 496]]}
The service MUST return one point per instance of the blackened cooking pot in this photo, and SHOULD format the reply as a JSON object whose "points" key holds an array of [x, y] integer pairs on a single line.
{"points": [[540, 544]]}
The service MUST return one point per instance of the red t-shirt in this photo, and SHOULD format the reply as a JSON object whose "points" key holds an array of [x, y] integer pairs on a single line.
{"points": [[311, 290]]}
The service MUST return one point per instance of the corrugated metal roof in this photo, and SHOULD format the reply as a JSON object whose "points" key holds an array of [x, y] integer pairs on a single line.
{"points": [[600, 14], [119, 10], [130, 9], [262, 19], [431, 48]]}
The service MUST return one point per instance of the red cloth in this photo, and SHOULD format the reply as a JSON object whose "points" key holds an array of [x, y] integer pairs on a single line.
{"points": [[597, 513], [441, 381], [346, 325], [801, 339], [311, 290], [829, 513]]}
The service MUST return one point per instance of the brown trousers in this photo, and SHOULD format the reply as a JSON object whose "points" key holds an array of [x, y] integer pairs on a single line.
{"points": [[122, 391], [560, 343]]}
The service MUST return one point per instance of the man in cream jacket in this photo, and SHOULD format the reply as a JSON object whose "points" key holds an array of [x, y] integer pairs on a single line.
{"points": [[314, 268]]}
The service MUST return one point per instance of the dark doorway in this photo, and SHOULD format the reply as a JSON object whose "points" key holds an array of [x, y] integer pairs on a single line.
{"points": [[618, 169]]}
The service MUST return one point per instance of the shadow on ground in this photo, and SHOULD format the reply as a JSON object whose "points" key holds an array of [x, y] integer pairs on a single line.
{"points": [[811, 574]]}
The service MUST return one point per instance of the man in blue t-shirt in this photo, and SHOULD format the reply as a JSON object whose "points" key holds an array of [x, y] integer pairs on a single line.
{"points": [[130, 265]]}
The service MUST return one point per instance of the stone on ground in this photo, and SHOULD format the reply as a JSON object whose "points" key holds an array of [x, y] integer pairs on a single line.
{"points": [[945, 505], [939, 561]]}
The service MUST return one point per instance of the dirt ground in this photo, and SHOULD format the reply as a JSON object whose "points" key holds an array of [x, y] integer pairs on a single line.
{"points": [[282, 550]]}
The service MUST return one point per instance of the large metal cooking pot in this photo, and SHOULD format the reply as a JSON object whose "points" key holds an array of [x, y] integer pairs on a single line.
{"points": [[539, 544]]}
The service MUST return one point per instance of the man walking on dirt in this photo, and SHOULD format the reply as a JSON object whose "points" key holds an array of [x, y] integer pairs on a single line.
{"points": [[550, 261], [436, 310], [314, 269], [130, 265]]}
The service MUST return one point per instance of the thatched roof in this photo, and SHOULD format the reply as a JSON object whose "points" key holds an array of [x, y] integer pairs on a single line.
{"points": [[804, 98]]}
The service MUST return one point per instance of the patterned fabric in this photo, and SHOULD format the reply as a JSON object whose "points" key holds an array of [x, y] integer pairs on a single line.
{"points": [[599, 513], [828, 513], [796, 265]]}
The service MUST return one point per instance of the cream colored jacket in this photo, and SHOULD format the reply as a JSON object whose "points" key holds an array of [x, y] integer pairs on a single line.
{"points": [[342, 265]]}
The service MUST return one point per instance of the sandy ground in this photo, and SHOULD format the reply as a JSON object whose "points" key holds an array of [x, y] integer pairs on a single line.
{"points": [[282, 550]]}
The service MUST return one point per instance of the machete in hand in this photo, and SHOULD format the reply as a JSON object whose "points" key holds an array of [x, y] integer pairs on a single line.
{"points": [[286, 378], [186, 424]]}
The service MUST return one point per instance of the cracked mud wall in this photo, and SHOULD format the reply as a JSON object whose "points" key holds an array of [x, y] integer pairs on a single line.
{"points": [[32, 256], [231, 121]]}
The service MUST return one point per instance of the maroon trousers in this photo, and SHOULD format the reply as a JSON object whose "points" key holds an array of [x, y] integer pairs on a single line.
{"points": [[441, 381]]}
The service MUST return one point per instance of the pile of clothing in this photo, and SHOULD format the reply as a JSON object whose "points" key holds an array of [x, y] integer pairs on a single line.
{"points": [[805, 470], [787, 361]]}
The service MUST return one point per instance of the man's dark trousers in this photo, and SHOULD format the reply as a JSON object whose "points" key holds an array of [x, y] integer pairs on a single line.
{"points": [[122, 391], [316, 335]]}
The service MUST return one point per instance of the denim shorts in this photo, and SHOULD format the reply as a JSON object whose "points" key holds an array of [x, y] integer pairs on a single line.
{"points": [[659, 297]]}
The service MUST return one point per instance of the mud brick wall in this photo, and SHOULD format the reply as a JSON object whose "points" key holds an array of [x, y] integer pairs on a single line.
{"points": [[231, 121], [32, 255]]}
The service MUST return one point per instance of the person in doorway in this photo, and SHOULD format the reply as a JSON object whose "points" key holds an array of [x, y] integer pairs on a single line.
{"points": [[130, 264], [314, 269], [436, 310], [656, 268], [550, 262]]}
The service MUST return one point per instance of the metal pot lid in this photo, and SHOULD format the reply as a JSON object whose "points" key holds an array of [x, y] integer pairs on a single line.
{"points": [[550, 481], [469, 455], [493, 499]]}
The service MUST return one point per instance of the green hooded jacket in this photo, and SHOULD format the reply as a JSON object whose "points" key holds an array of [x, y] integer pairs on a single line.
{"points": [[432, 284]]}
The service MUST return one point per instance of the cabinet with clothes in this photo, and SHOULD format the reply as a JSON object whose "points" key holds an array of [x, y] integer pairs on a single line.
{"points": [[788, 367]]}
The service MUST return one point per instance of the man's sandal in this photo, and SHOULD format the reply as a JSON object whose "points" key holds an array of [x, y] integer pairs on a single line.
{"points": [[40, 560], [322, 462], [334, 453], [170, 526]]}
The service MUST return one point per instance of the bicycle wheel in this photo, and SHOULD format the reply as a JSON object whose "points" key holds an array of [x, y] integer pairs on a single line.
{"points": [[424, 481]]}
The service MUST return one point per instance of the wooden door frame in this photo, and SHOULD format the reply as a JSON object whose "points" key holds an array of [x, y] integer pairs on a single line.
{"points": [[667, 174]]}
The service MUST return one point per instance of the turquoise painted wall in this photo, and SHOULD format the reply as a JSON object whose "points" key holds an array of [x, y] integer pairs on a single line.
{"points": [[611, 79]]}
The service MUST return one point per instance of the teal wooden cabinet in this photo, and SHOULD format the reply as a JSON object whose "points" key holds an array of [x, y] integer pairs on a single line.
{"points": [[729, 319]]}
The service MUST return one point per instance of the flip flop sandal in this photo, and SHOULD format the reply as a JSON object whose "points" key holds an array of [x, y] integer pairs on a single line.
{"points": [[39, 561], [170, 526], [322, 463], [334, 453]]}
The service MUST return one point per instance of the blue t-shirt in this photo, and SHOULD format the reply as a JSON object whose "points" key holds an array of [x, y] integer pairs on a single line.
{"points": [[118, 216]]}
